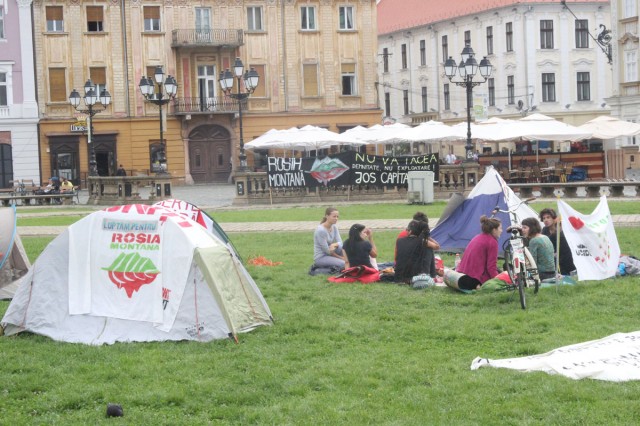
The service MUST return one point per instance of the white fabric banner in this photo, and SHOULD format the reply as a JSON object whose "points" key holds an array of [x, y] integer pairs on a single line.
{"points": [[614, 358], [592, 240], [130, 263]]}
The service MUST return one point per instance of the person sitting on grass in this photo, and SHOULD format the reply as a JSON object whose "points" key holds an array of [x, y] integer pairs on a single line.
{"points": [[420, 217], [327, 244], [563, 252], [360, 248], [414, 256], [540, 247], [480, 259]]}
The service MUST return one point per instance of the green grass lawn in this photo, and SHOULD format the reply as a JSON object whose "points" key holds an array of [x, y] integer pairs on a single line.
{"points": [[338, 354]]}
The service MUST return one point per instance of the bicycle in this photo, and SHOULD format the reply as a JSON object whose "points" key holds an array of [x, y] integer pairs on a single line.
{"points": [[520, 265]]}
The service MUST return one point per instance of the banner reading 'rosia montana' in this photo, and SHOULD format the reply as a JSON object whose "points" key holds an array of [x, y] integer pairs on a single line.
{"points": [[347, 168]]}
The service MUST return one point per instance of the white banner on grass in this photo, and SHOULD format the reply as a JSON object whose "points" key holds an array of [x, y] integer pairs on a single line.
{"points": [[592, 239], [614, 358]]}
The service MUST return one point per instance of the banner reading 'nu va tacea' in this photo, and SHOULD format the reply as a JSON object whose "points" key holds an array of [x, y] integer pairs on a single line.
{"points": [[347, 168]]}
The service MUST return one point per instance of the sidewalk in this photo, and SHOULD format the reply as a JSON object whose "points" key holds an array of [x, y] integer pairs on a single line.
{"points": [[220, 196]]}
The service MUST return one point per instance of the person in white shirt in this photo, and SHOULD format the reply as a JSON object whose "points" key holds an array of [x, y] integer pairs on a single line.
{"points": [[451, 158]]}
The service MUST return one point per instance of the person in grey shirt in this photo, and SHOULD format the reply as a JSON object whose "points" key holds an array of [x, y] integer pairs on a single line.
{"points": [[327, 244]]}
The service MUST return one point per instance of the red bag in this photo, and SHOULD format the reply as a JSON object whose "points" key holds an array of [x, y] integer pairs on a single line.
{"points": [[362, 273]]}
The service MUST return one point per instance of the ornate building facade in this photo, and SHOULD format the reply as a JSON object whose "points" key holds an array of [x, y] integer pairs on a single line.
{"points": [[316, 61]]}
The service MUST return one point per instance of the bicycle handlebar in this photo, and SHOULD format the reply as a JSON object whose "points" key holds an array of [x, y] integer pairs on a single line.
{"points": [[497, 208]]}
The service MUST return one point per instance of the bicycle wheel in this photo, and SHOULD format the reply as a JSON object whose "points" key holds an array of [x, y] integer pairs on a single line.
{"points": [[520, 282]]}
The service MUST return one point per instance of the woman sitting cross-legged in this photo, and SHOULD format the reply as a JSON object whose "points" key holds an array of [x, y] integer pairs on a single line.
{"points": [[414, 256], [540, 247], [360, 248], [327, 244]]}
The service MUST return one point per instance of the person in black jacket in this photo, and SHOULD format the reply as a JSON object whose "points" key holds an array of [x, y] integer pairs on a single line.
{"points": [[414, 256], [565, 258]]}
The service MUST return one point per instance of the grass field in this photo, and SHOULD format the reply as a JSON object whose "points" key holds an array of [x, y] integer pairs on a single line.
{"points": [[339, 354]]}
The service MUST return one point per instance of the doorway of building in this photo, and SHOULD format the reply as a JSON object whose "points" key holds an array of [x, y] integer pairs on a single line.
{"points": [[210, 154]]}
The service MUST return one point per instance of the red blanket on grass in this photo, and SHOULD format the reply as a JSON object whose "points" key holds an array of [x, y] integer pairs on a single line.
{"points": [[363, 274]]}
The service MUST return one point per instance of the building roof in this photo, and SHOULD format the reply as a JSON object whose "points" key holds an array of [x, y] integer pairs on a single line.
{"points": [[397, 15]]}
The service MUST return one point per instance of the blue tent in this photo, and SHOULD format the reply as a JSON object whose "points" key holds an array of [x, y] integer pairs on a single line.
{"points": [[460, 221]]}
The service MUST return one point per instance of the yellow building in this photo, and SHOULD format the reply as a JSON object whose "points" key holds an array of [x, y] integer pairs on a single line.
{"points": [[316, 62]]}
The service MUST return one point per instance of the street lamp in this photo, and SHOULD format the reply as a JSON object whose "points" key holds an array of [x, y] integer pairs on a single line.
{"points": [[251, 79], [467, 70], [90, 100], [159, 97]]}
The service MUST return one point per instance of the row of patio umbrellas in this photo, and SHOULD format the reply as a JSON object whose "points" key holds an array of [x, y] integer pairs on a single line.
{"points": [[532, 127]]}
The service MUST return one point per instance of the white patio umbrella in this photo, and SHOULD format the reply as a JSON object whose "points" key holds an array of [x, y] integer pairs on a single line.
{"points": [[431, 131], [542, 127], [607, 127], [305, 138], [377, 133]]}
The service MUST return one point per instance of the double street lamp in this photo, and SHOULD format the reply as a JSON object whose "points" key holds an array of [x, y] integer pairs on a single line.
{"points": [[91, 99], [467, 70], [250, 79], [165, 92]]}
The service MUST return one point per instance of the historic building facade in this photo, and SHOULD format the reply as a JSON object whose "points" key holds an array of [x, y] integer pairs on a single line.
{"points": [[18, 107], [544, 59], [316, 61]]}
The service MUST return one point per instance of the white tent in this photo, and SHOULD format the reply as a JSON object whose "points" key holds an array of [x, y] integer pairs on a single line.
{"points": [[305, 138], [14, 263], [431, 131], [136, 273], [377, 133]]}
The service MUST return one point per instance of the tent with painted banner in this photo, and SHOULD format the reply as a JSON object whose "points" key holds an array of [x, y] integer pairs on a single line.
{"points": [[592, 239], [460, 221], [613, 358], [14, 263], [136, 273]]}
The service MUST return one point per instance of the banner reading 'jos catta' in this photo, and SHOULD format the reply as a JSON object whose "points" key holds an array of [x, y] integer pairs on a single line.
{"points": [[347, 168]]}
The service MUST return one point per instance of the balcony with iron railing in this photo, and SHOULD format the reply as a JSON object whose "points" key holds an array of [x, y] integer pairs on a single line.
{"points": [[224, 105], [207, 37]]}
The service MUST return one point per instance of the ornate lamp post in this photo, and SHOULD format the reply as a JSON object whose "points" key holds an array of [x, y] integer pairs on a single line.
{"points": [[90, 100], [251, 79], [467, 71], [159, 97]]}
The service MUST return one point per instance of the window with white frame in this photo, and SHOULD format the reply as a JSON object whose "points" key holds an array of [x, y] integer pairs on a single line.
{"points": [[98, 76], [151, 18], [405, 101], [423, 53], [584, 86], [254, 18], [95, 19], [489, 40], [630, 8], [492, 91], [548, 87], [511, 90], [385, 59], [346, 17], [308, 18], [4, 90], [403, 54], [546, 34], [509, 36], [387, 104], [582, 33], [445, 48], [1, 22], [630, 66], [349, 79], [447, 98], [55, 23], [425, 102]]}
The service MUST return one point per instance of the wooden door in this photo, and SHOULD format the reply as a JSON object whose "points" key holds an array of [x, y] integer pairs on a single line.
{"points": [[210, 154]]}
